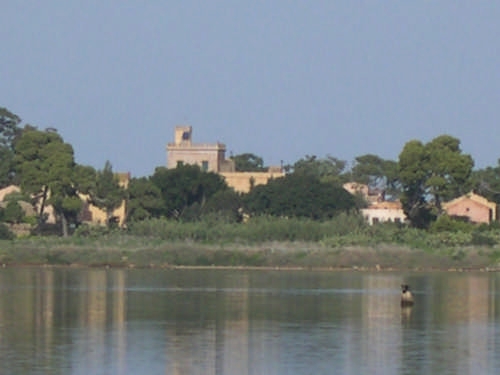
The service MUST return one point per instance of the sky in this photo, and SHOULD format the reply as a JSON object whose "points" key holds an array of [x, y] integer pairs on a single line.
{"points": [[280, 79]]}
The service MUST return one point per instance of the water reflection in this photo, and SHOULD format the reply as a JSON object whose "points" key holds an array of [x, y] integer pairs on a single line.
{"points": [[71, 321]]}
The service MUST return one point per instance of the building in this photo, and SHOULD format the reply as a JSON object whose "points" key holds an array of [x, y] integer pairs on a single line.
{"points": [[93, 215], [381, 212], [211, 157], [90, 214], [472, 206], [370, 195]]}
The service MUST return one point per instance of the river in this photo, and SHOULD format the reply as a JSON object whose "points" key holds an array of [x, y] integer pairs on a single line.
{"points": [[225, 322]]}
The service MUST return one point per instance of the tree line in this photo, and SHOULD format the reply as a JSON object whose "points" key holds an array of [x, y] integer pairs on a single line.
{"points": [[43, 165]]}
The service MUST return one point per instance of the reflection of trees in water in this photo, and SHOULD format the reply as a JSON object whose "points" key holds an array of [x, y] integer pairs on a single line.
{"points": [[205, 317]]}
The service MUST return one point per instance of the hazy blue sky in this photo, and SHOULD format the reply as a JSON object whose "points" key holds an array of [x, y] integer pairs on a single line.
{"points": [[279, 78]]}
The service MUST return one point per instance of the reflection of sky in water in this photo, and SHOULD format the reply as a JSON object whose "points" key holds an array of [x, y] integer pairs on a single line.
{"points": [[62, 321]]}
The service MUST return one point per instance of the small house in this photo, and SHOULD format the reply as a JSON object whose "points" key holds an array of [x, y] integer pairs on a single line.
{"points": [[472, 206]]}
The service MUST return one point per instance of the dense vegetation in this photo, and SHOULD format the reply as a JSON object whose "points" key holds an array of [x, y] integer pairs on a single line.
{"points": [[309, 204]]}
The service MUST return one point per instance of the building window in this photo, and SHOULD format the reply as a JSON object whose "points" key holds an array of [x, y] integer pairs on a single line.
{"points": [[204, 166], [180, 163]]}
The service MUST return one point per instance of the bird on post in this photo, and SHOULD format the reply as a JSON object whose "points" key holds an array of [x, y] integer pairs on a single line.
{"points": [[406, 296]]}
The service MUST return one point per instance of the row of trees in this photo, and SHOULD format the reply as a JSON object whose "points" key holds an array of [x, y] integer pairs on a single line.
{"points": [[425, 175], [43, 165]]}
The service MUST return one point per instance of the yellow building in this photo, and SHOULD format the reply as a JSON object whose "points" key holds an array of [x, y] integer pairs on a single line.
{"points": [[211, 157], [90, 214], [94, 215]]}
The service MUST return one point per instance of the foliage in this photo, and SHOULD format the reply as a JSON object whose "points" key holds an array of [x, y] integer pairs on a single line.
{"points": [[445, 223], [429, 174], [91, 231], [16, 196], [185, 185], [13, 213], [46, 168], [5, 232], [255, 230], [377, 173], [107, 194], [298, 195], [225, 205], [327, 169], [248, 162], [487, 182], [9, 131], [144, 200]]}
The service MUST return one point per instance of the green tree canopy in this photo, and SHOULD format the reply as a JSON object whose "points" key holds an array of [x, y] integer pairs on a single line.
{"points": [[13, 213], [9, 131], [107, 194], [487, 182], [328, 169], [298, 195], [224, 205], [48, 173], [430, 174], [184, 186], [248, 163], [144, 200], [377, 173]]}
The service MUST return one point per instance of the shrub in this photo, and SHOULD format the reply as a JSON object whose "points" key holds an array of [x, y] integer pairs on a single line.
{"points": [[13, 212], [5, 233], [445, 223]]}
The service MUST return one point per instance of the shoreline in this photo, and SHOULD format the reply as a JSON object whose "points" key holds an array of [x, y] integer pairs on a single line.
{"points": [[251, 268], [266, 256]]}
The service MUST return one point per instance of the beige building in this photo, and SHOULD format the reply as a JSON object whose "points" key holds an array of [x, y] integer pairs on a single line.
{"points": [[211, 157], [379, 210], [90, 214], [94, 215]]}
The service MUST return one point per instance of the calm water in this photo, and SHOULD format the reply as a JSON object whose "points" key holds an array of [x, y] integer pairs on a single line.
{"points": [[65, 321]]}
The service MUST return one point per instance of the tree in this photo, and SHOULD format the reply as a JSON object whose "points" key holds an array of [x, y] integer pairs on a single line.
{"points": [[184, 186], [225, 205], [46, 165], [9, 131], [107, 194], [13, 213], [377, 173], [431, 174], [248, 163], [298, 195], [487, 182], [144, 200], [327, 169]]}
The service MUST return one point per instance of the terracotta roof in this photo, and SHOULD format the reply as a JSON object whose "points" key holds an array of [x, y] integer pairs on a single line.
{"points": [[386, 205], [473, 197]]}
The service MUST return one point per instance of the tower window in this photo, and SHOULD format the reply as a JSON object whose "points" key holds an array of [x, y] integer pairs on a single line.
{"points": [[204, 165]]}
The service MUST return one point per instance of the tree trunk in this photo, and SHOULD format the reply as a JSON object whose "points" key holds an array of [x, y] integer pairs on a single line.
{"points": [[64, 225], [41, 220]]}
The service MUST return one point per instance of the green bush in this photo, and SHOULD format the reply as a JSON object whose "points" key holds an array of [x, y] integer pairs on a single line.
{"points": [[13, 212], [91, 231], [445, 223], [483, 238], [5, 233]]}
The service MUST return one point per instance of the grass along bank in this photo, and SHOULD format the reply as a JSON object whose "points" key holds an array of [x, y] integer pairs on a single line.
{"points": [[345, 242], [131, 251]]}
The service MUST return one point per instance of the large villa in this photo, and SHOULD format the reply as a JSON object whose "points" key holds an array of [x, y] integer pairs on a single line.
{"points": [[211, 157]]}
